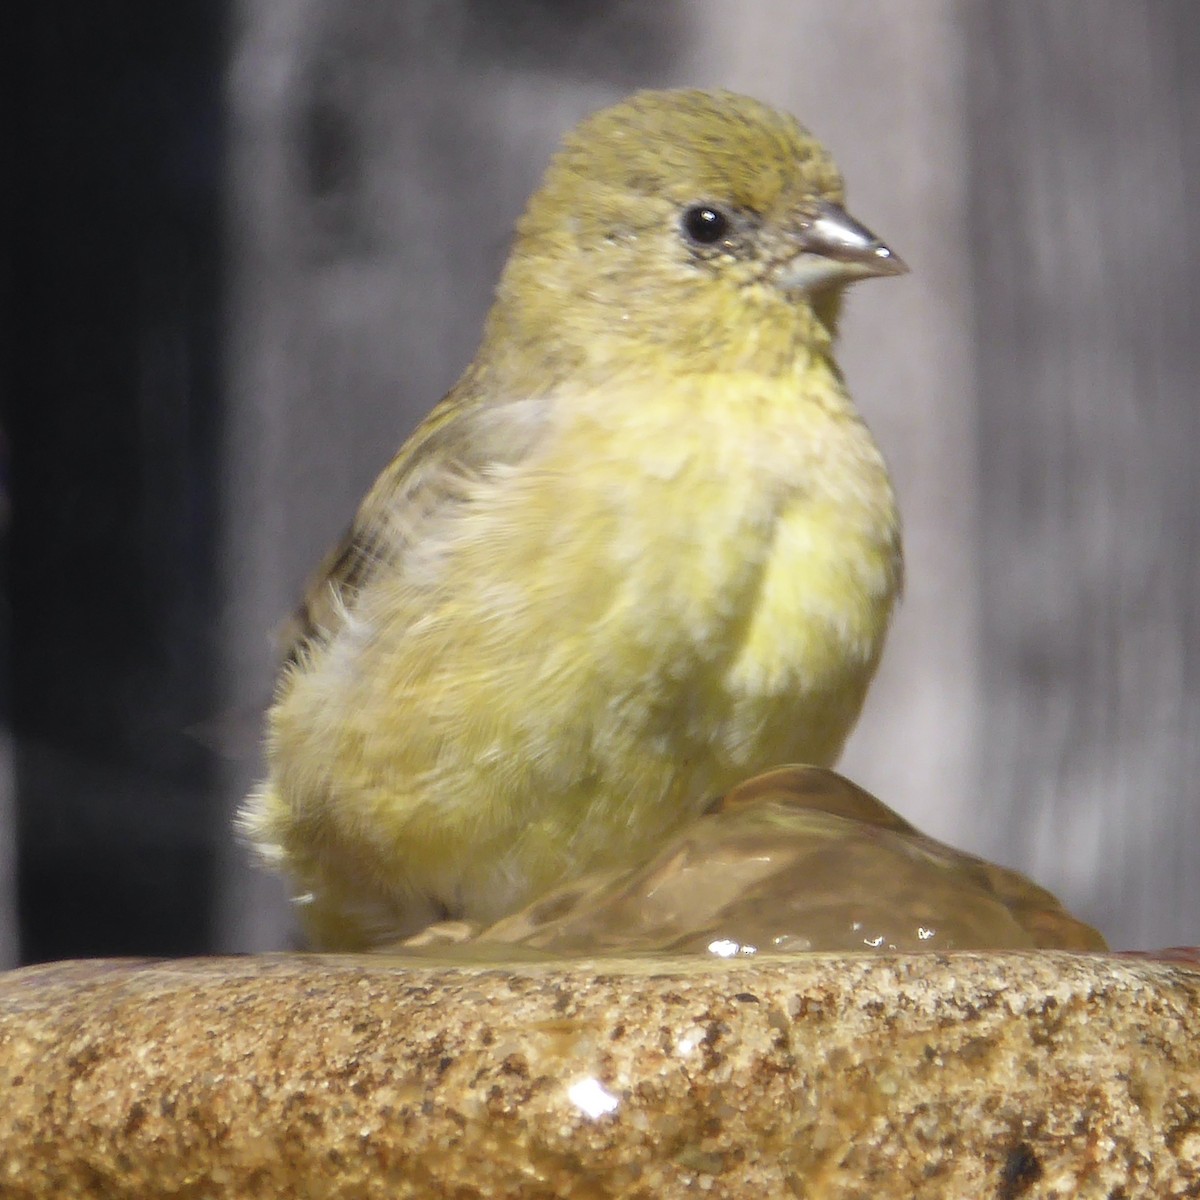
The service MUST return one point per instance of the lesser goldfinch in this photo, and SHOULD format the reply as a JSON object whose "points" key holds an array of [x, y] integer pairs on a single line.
{"points": [[645, 548]]}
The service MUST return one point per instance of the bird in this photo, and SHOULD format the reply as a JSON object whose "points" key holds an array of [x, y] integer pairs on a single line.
{"points": [[644, 548]]}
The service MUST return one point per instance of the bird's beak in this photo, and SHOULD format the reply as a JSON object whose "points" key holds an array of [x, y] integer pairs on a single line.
{"points": [[834, 249]]}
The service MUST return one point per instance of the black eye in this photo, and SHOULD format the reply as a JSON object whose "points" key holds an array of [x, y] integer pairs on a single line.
{"points": [[705, 224]]}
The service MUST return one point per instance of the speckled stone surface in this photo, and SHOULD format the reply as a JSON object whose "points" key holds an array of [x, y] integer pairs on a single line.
{"points": [[998, 1075]]}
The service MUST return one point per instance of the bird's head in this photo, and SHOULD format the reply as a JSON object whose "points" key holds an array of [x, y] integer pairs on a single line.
{"points": [[703, 225]]}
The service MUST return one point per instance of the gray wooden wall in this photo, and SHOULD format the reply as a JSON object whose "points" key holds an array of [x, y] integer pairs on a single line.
{"points": [[1085, 237], [1034, 382]]}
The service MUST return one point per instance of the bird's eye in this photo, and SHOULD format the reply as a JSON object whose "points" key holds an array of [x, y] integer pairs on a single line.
{"points": [[705, 224]]}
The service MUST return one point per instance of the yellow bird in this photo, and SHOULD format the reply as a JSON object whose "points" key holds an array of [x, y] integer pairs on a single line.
{"points": [[644, 548]]}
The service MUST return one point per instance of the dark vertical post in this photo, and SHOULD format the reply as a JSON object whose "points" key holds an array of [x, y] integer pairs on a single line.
{"points": [[112, 412]]}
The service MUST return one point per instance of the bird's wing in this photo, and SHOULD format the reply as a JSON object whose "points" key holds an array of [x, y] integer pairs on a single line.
{"points": [[463, 440]]}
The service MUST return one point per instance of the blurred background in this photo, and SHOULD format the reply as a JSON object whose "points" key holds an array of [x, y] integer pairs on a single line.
{"points": [[252, 242]]}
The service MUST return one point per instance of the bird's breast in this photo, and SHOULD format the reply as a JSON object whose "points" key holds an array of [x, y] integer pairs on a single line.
{"points": [[737, 547]]}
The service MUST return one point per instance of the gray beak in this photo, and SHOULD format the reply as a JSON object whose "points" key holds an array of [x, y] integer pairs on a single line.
{"points": [[834, 249]]}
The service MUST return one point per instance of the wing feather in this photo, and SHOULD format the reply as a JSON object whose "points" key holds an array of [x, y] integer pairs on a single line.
{"points": [[463, 440]]}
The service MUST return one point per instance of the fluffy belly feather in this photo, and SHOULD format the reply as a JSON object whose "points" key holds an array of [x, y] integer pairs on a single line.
{"points": [[600, 658]]}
